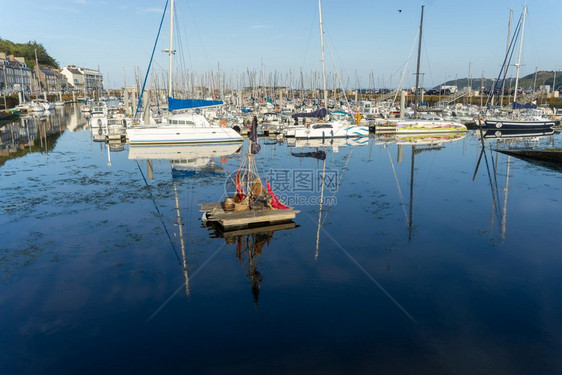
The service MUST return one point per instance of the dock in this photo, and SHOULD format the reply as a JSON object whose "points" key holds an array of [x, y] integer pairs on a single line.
{"points": [[233, 220], [553, 155]]}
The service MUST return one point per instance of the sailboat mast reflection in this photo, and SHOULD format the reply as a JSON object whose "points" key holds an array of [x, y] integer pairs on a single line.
{"points": [[323, 177], [186, 161], [527, 139], [419, 143], [182, 241], [320, 147]]}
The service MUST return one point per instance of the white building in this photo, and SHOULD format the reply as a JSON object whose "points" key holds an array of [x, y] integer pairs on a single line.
{"points": [[74, 77], [83, 79]]}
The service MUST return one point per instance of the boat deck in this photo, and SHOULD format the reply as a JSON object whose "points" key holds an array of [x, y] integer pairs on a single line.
{"points": [[231, 220]]}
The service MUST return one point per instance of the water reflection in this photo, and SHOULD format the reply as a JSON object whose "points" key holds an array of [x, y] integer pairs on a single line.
{"points": [[525, 136], [318, 149], [249, 246], [187, 164], [36, 132], [186, 160], [418, 143], [498, 167], [87, 258]]}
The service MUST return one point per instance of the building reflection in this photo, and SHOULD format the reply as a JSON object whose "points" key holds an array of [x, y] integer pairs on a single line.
{"points": [[36, 132]]}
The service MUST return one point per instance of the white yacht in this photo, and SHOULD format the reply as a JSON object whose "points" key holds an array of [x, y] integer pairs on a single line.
{"points": [[332, 129], [182, 128]]}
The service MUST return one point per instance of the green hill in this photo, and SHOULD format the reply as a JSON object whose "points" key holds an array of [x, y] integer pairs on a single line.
{"points": [[542, 78], [27, 50]]}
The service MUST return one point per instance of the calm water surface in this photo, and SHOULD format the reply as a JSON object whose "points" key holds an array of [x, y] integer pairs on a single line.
{"points": [[425, 261]]}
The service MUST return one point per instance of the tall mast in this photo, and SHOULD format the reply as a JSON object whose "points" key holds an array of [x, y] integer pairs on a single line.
{"points": [[506, 53], [323, 62], [518, 65], [171, 50], [416, 97], [37, 74]]}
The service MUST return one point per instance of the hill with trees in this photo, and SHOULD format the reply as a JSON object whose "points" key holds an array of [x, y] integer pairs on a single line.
{"points": [[533, 80], [27, 50]]}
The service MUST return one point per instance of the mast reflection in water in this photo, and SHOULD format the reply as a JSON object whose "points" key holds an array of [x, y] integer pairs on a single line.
{"points": [[442, 261]]}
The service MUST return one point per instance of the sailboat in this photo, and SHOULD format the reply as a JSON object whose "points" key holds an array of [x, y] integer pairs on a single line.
{"points": [[322, 128], [428, 124], [180, 128], [529, 118]]}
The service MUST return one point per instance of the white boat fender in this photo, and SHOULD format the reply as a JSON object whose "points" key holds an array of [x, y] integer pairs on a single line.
{"points": [[204, 217]]}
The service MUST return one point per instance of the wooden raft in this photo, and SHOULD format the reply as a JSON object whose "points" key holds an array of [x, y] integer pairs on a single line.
{"points": [[215, 213], [549, 155]]}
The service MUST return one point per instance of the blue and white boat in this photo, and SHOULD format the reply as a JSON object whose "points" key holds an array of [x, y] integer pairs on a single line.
{"points": [[178, 128], [182, 128], [331, 129]]}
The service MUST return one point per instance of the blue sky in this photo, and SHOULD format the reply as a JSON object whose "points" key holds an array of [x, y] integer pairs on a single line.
{"points": [[363, 38]]}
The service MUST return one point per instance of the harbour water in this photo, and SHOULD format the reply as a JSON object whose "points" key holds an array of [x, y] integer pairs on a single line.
{"points": [[425, 259]]}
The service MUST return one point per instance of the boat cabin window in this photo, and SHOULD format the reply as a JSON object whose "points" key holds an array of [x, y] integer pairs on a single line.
{"points": [[322, 126], [181, 122]]}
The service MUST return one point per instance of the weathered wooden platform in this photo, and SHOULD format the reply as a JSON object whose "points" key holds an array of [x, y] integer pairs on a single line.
{"points": [[231, 235], [548, 155], [230, 220]]}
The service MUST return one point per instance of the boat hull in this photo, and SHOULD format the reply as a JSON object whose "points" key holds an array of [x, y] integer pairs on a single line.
{"points": [[518, 125], [350, 131], [178, 135]]}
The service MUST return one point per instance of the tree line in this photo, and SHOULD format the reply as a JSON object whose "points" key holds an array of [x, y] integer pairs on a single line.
{"points": [[27, 51]]}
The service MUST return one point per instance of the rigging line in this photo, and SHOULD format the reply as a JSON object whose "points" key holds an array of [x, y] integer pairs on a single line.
{"points": [[151, 58], [369, 276], [344, 168], [312, 25], [337, 75], [504, 69], [194, 19], [427, 59], [182, 67], [159, 214], [532, 42], [327, 31], [507, 59], [404, 65], [404, 70], [397, 186], [182, 285]]}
